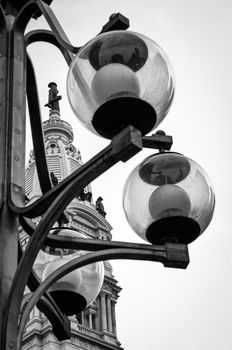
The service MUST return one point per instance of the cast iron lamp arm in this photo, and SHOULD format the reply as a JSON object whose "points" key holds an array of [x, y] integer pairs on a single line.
{"points": [[122, 147], [109, 156], [171, 255], [115, 253], [176, 255]]}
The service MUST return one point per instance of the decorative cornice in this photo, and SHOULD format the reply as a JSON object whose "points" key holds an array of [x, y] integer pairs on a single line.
{"points": [[55, 124]]}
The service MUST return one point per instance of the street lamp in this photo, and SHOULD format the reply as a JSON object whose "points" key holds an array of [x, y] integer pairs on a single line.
{"points": [[120, 85], [168, 198], [120, 78], [79, 288]]}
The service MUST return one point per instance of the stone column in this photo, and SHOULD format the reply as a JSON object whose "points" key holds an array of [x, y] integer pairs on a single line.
{"points": [[90, 320], [82, 318], [103, 312], [97, 318], [36, 312], [113, 302], [109, 314]]}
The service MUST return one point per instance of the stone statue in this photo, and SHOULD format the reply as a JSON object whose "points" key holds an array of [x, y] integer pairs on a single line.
{"points": [[53, 97], [53, 178], [100, 206], [85, 196]]}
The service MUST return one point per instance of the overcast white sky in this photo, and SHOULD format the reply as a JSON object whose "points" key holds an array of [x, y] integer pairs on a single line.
{"points": [[160, 308]]}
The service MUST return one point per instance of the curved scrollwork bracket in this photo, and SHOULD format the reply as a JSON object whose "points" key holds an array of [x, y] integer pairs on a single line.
{"points": [[49, 37]]}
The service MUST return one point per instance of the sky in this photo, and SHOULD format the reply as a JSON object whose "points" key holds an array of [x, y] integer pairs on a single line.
{"points": [[162, 308]]}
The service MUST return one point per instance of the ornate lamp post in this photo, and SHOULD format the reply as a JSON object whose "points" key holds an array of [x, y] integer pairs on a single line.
{"points": [[120, 85]]}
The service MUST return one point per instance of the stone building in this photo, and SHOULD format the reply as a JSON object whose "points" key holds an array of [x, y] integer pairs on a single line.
{"points": [[95, 327]]}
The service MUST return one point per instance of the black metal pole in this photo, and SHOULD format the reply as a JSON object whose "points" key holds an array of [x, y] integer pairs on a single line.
{"points": [[12, 151], [12, 138]]}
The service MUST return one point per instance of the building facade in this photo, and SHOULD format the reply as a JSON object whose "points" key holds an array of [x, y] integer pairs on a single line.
{"points": [[95, 327]]}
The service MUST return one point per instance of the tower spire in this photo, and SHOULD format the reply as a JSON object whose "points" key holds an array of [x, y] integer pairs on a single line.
{"points": [[94, 327]]}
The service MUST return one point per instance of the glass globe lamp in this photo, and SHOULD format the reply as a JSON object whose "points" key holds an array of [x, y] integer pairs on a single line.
{"points": [[168, 198], [120, 78], [79, 288]]}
